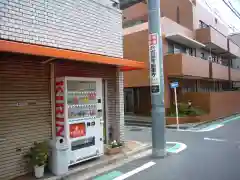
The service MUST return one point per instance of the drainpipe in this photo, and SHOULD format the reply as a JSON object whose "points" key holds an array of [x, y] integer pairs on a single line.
{"points": [[52, 76], [157, 79]]}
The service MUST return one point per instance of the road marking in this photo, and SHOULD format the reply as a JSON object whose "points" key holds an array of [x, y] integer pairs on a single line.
{"points": [[175, 148], [215, 139], [135, 171], [178, 147], [109, 176]]}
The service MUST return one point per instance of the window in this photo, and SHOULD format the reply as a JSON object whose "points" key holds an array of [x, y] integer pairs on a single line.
{"points": [[170, 48], [214, 59], [189, 51], [189, 85], [202, 24], [178, 15], [131, 23], [128, 100], [179, 49], [136, 98]]}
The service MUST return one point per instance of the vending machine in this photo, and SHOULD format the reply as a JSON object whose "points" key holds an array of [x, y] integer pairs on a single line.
{"points": [[79, 117]]}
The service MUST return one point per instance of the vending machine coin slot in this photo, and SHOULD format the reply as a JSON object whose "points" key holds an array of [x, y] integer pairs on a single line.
{"points": [[93, 123], [99, 113]]}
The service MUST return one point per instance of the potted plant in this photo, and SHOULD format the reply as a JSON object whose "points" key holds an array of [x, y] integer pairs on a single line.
{"points": [[37, 158], [114, 147]]}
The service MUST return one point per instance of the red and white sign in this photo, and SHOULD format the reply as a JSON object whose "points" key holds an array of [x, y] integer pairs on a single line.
{"points": [[60, 108], [153, 40], [154, 63]]}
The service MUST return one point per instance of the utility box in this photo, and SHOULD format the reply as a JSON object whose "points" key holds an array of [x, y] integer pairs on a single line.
{"points": [[59, 158]]}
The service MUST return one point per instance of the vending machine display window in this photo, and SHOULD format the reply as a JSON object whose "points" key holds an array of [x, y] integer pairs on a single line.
{"points": [[77, 130]]}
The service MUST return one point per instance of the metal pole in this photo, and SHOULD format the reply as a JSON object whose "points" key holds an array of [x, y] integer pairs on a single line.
{"points": [[176, 105], [157, 79]]}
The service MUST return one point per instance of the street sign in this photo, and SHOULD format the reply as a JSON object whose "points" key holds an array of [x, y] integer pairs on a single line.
{"points": [[154, 63], [174, 85]]}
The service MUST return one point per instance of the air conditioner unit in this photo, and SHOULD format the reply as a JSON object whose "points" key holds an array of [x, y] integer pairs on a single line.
{"points": [[210, 58]]}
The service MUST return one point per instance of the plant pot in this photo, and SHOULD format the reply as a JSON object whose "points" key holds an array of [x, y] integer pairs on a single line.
{"points": [[112, 151], [39, 171]]}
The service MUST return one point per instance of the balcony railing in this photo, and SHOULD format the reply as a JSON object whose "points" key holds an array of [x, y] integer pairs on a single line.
{"points": [[233, 48], [220, 71], [235, 74], [185, 65], [213, 39]]}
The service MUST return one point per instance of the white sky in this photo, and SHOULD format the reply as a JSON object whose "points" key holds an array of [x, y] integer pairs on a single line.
{"points": [[224, 13]]}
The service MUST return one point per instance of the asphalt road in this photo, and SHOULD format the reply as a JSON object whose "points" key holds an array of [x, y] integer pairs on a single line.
{"points": [[213, 155]]}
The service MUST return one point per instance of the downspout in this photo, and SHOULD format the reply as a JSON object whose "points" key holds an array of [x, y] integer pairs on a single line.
{"points": [[52, 75]]}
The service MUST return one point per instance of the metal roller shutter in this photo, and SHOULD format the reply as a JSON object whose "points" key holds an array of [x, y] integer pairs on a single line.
{"points": [[25, 110]]}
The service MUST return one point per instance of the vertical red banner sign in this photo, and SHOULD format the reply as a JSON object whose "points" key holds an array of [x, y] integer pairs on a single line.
{"points": [[60, 108]]}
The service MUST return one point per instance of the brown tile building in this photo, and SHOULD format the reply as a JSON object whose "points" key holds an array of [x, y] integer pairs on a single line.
{"points": [[197, 53]]}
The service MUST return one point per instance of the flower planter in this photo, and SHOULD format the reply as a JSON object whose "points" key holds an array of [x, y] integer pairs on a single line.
{"points": [[112, 151], [39, 171]]}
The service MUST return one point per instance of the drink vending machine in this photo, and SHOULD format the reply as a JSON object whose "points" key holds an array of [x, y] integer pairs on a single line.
{"points": [[79, 117]]}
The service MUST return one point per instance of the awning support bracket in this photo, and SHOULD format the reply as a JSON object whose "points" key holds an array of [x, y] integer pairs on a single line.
{"points": [[48, 60]]}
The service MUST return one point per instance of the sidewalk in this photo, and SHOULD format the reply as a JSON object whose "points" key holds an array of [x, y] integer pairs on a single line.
{"points": [[131, 148]]}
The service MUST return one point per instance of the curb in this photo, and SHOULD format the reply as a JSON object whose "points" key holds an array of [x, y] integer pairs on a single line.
{"points": [[100, 164], [215, 120], [184, 127], [138, 123]]}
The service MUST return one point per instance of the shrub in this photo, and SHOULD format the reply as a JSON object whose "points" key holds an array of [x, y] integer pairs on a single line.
{"points": [[184, 110], [38, 154]]}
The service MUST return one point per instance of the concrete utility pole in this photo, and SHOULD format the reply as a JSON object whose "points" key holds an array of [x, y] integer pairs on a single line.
{"points": [[157, 79]]}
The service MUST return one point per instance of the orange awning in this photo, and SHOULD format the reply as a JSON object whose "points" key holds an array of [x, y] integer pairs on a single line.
{"points": [[24, 48]]}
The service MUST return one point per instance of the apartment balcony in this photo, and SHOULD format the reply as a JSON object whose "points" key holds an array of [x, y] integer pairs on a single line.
{"points": [[234, 50], [219, 71], [213, 40], [168, 26], [235, 74], [186, 66]]}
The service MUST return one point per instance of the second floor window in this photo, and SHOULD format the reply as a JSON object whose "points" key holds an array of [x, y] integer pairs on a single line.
{"points": [[190, 52], [214, 58], [202, 24], [170, 48]]}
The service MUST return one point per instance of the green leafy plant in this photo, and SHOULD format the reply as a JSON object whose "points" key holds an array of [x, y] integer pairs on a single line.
{"points": [[115, 144], [184, 110], [38, 154]]}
